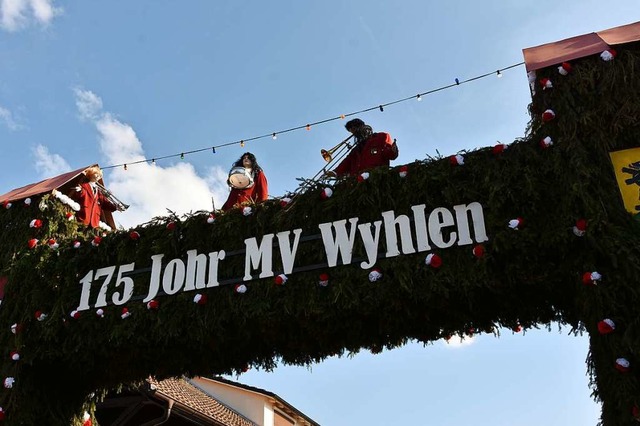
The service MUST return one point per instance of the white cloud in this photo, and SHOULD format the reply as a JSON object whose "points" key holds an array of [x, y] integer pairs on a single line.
{"points": [[17, 14], [7, 117], [149, 189], [88, 104], [48, 164], [458, 342]]}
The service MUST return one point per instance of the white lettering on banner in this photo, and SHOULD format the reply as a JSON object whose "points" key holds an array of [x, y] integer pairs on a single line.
{"points": [[441, 227], [255, 255], [477, 217], [288, 253], [438, 219], [370, 242], [342, 243], [197, 268], [390, 222]]}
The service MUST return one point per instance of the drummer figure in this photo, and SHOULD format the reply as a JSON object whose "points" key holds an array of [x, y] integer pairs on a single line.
{"points": [[247, 181]]}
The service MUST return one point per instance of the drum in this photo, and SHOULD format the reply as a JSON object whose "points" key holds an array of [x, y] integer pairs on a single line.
{"points": [[240, 178]]}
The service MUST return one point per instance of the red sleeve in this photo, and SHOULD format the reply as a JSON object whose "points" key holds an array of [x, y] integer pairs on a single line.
{"points": [[105, 204], [345, 165], [391, 152], [262, 188]]}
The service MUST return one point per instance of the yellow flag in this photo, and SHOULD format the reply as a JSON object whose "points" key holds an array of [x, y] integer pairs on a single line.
{"points": [[626, 164]]}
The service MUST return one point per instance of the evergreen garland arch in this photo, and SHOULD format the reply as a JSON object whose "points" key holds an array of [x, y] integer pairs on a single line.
{"points": [[526, 278]]}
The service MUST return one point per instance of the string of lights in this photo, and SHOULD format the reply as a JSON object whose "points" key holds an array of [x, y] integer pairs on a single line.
{"points": [[308, 126]]}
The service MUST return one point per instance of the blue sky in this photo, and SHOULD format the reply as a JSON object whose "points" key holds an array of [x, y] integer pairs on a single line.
{"points": [[119, 81]]}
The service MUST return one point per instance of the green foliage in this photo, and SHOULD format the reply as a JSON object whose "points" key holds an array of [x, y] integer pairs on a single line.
{"points": [[531, 276]]}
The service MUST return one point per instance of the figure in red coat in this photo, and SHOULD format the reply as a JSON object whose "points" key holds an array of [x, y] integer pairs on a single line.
{"points": [[91, 199], [247, 182], [371, 149]]}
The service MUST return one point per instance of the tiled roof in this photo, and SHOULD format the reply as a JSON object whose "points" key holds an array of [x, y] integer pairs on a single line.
{"points": [[185, 394], [279, 402], [578, 47]]}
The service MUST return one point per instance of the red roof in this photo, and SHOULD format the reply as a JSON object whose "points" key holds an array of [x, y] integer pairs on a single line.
{"points": [[48, 185], [41, 187], [578, 47]]}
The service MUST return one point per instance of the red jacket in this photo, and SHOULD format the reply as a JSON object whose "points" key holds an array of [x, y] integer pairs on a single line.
{"points": [[256, 193], [377, 150], [91, 205]]}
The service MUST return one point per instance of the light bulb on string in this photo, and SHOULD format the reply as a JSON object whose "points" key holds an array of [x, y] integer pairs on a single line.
{"points": [[182, 155], [213, 149], [381, 108], [342, 116], [274, 136], [242, 144], [418, 98], [308, 127], [498, 74], [153, 161], [125, 167]]}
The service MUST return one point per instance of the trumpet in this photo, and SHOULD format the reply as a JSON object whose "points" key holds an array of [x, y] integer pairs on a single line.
{"points": [[328, 154], [120, 206]]}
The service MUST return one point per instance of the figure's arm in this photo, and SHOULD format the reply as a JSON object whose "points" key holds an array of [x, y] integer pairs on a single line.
{"points": [[390, 148], [262, 187], [345, 165], [105, 204]]}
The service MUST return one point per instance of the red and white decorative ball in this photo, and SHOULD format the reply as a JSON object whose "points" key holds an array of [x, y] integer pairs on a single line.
{"points": [[153, 305], [74, 314], [363, 176], [478, 251], [247, 211], [69, 216], [53, 244], [565, 68], [591, 278], [96, 241], [40, 316], [211, 218], [516, 223], [171, 226], [76, 244], [403, 171], [280, 279], [546, 142], [548, 115], [608, 55], [284, 202], [8, 382], [100, 313], [622, 365], [32, 243], [200, 299], [546, 84], [241, 288], [6, 204], [134, 235], [456, 160], [14, 355], [326, 193], [498, 149], [375, 275], [125, 313], [580, 228], [27, 202], [323, 280], [86, 419], [433, 260], [35, 223], [606, 326]]}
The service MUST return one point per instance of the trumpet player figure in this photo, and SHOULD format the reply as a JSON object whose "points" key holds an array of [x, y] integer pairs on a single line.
{"points": [[370, 150], [91, 199], [247, 181]]}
